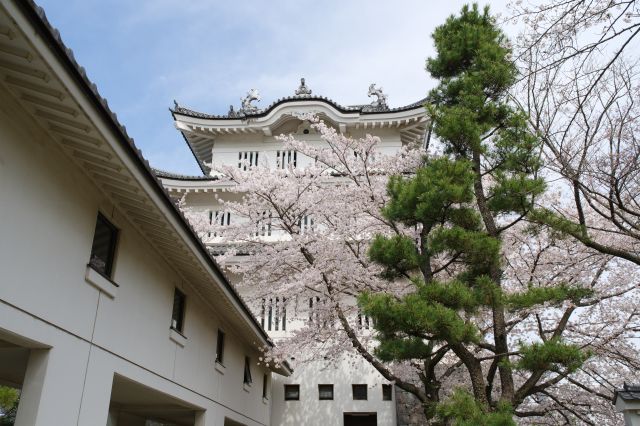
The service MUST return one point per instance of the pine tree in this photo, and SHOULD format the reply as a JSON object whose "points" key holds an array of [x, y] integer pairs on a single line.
{"points": [[461, 204]]}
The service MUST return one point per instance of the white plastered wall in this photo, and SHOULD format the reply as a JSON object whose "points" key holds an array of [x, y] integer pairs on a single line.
{"points": [[48, 210]]}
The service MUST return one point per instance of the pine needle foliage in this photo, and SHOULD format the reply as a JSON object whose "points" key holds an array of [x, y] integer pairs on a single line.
{"points": [[460, 204]]}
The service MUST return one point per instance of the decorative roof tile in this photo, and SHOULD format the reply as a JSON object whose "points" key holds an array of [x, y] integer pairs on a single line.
{"points": [[362, 109]]}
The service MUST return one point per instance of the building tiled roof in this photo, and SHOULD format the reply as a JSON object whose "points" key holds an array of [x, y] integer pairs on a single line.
{"points": [[627, 393], [170, 175], [362, 109]]}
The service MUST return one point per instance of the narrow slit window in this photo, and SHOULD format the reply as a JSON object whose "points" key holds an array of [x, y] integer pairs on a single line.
{"points": [[284, 314], [265, 386], [220, 348], [104, 246], [177, 314], [247, 370]]}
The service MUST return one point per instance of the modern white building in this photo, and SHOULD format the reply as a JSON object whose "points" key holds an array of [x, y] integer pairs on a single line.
{"points": [[112, 311], [324, 392]]}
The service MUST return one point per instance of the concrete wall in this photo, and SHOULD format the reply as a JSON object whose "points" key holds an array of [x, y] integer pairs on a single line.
{"points": [[48, 213], [311, 411]]}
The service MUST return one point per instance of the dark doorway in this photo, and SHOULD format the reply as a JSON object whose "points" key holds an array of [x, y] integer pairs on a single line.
{"points": [[360, 419]]}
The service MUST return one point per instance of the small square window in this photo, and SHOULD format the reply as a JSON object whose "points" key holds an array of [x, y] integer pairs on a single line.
{"points": [[387, 392], [247, 370], [291, 392], [325, 392], [177, 314], [103, 248], [359, 392], [220, 348]]}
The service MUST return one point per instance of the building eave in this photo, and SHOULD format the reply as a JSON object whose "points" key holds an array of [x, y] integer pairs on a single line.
{"points": [[92, 137], [200, 131]]}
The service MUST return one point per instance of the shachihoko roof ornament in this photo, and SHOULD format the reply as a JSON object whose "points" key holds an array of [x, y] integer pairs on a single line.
{"points": [[380, 103], [303, 89], [247, 107]]}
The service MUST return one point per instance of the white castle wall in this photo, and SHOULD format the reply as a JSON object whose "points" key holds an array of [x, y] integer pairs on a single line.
{"points": [[309, 410]]}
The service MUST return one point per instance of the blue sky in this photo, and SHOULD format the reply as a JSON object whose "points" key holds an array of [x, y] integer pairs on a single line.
{"points": [[206, 54]]}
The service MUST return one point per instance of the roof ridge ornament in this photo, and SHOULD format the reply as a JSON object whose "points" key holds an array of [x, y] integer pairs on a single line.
{"points": [[247, 107], [380, 104], [303, 89]]}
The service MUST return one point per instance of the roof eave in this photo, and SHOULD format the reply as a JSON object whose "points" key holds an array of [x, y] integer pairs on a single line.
{"points": [[36, 17]]}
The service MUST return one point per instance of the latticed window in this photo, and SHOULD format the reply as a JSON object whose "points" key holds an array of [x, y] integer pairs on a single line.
{"points": [[263, 225], [306, 224], [219, 218], [364, 322], [247, 159], [273, 314], [285, 159]]}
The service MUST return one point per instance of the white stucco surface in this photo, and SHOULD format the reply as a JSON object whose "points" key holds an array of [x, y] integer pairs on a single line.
{"points": [[80, 337]]}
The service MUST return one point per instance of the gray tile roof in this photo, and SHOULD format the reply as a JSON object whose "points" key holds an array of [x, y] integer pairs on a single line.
{"points": [[362, 109], [627, 393], [170, 175]]}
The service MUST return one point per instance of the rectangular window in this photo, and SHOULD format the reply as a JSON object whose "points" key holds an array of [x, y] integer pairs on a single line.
{"points": [[386, 392], [292, 392], [177, 315], [263, 224], [265, 386], [363, 321], [325, 392], [286, 159], [284, 314], [220, 347], [219, 218], [247, 370], [359, 392], [273, 314], [103, 248], [247, 159], [306, 225]]}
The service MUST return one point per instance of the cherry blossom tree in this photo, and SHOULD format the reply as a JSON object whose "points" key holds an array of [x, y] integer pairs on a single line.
{"points": [[580, 86], [276, 252], [306, 234]]}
